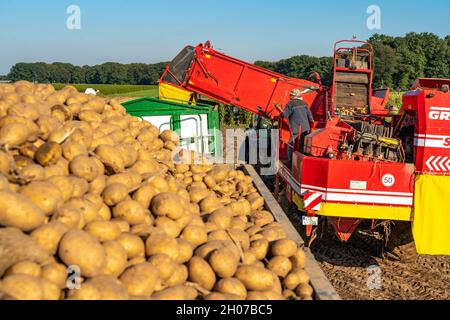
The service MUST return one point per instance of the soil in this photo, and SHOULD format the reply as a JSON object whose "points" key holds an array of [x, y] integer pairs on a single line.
{"points": [[353, 267]]}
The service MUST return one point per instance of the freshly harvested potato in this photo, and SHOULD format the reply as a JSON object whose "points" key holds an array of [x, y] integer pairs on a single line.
{"points": [[49, 235], [140, 280], [284, 247], [114, 193], [24, 267], [22, 287], [84, 250], [132, 212], [84, 167], [255, 278], [294, 278], [87, 291], [259, 248], [224, 263], [231, 286], [80, 186], [196, 235], [167, 204], [71, 149], [49, 153], [110, 288], [109, 156], [56, 273], [144, 195], [97, 185], [64, 185], [201, 273], [103, 230], [69, 215], [44, 195], [18, 211], [221, 218], [304, 291], [133, 245], [280, 265], [210, 204], [186, 251], [167, 225], [51, 291], [179, 276], [165, 265], [298, 260], [88, 209], [116, 259], [179, 292], [122, 224], [162, 243]]}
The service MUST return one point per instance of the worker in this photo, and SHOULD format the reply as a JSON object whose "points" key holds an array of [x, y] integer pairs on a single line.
{"points": [[299, 116]]}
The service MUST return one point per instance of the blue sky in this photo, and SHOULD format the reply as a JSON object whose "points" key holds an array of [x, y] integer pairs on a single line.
{"points": [[155, 30]]}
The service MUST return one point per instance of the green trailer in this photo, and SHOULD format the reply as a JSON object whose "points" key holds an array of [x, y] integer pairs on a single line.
{"points": [[198, 126]]}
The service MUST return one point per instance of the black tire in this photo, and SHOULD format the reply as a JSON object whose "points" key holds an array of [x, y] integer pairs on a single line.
{"points": [[400, 244]]}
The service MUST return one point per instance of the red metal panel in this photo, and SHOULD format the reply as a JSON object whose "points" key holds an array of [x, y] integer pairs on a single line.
{"points": [[432, 134], [347, 181]]}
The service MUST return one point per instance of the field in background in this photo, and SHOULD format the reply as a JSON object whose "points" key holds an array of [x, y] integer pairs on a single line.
{"points": [[112, 90]]}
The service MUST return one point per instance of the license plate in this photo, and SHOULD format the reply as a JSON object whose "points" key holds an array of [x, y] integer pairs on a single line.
{"points": [[310, 221]]}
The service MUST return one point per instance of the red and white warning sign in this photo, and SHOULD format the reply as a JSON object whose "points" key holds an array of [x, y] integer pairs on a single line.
{"points": [[312, 200]]}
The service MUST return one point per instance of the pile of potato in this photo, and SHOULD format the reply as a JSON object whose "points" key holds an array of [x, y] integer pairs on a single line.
{"points": [[85, 185]]}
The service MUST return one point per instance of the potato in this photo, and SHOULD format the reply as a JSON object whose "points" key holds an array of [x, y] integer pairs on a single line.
{"points": [[22, 287], [51, 291], [144, 195], [238, 223], [143, 230], [224, 263], [255, 278], [249, 257], [87, 291], [103, 230], [171, 136], [184, 220], [97, 185], [284, 247], [261, 218], [71, 149], [6, 162], [56, 273], [122, 224], [179, 276], [167, 225], [260, 248], [273, 234], [14, 134], [133, 245], [69, 215], [289, 294], [304, 291], [140, 280], [84, 250], [162, 243], [18, 211], [167, 204], [294, 278], [84, 167], [132, 212], [24, 267], [221, 217], [44, 195], [231, 286], [49, 235], [112, 159], [49, 153], [201, 273], [186, 251], [196, 235], [116, 259], [298, 260], [280, 265], [64, 185], [88, 209], [128, 153], [109, 288], [80, 186], [165, 265], [179, 292], [114, 193], [210, 204]]}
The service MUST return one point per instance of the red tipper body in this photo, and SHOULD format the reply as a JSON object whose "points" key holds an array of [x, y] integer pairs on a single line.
{"points": [[432, 129]]}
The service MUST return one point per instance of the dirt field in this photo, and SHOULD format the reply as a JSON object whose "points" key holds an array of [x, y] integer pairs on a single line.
{"points": [[346, 265]]}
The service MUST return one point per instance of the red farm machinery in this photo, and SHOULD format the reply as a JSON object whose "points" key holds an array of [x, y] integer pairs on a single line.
{"points": [[363, 160]]}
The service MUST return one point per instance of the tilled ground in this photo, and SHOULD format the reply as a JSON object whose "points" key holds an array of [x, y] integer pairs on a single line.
{"points": [[350, 267]]}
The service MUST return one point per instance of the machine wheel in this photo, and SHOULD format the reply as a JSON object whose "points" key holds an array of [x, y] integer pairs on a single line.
{"points": [[400, 242]]}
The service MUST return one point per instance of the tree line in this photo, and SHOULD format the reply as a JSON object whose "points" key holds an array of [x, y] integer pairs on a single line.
{"points": [[398, 62], [107, 73]]}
